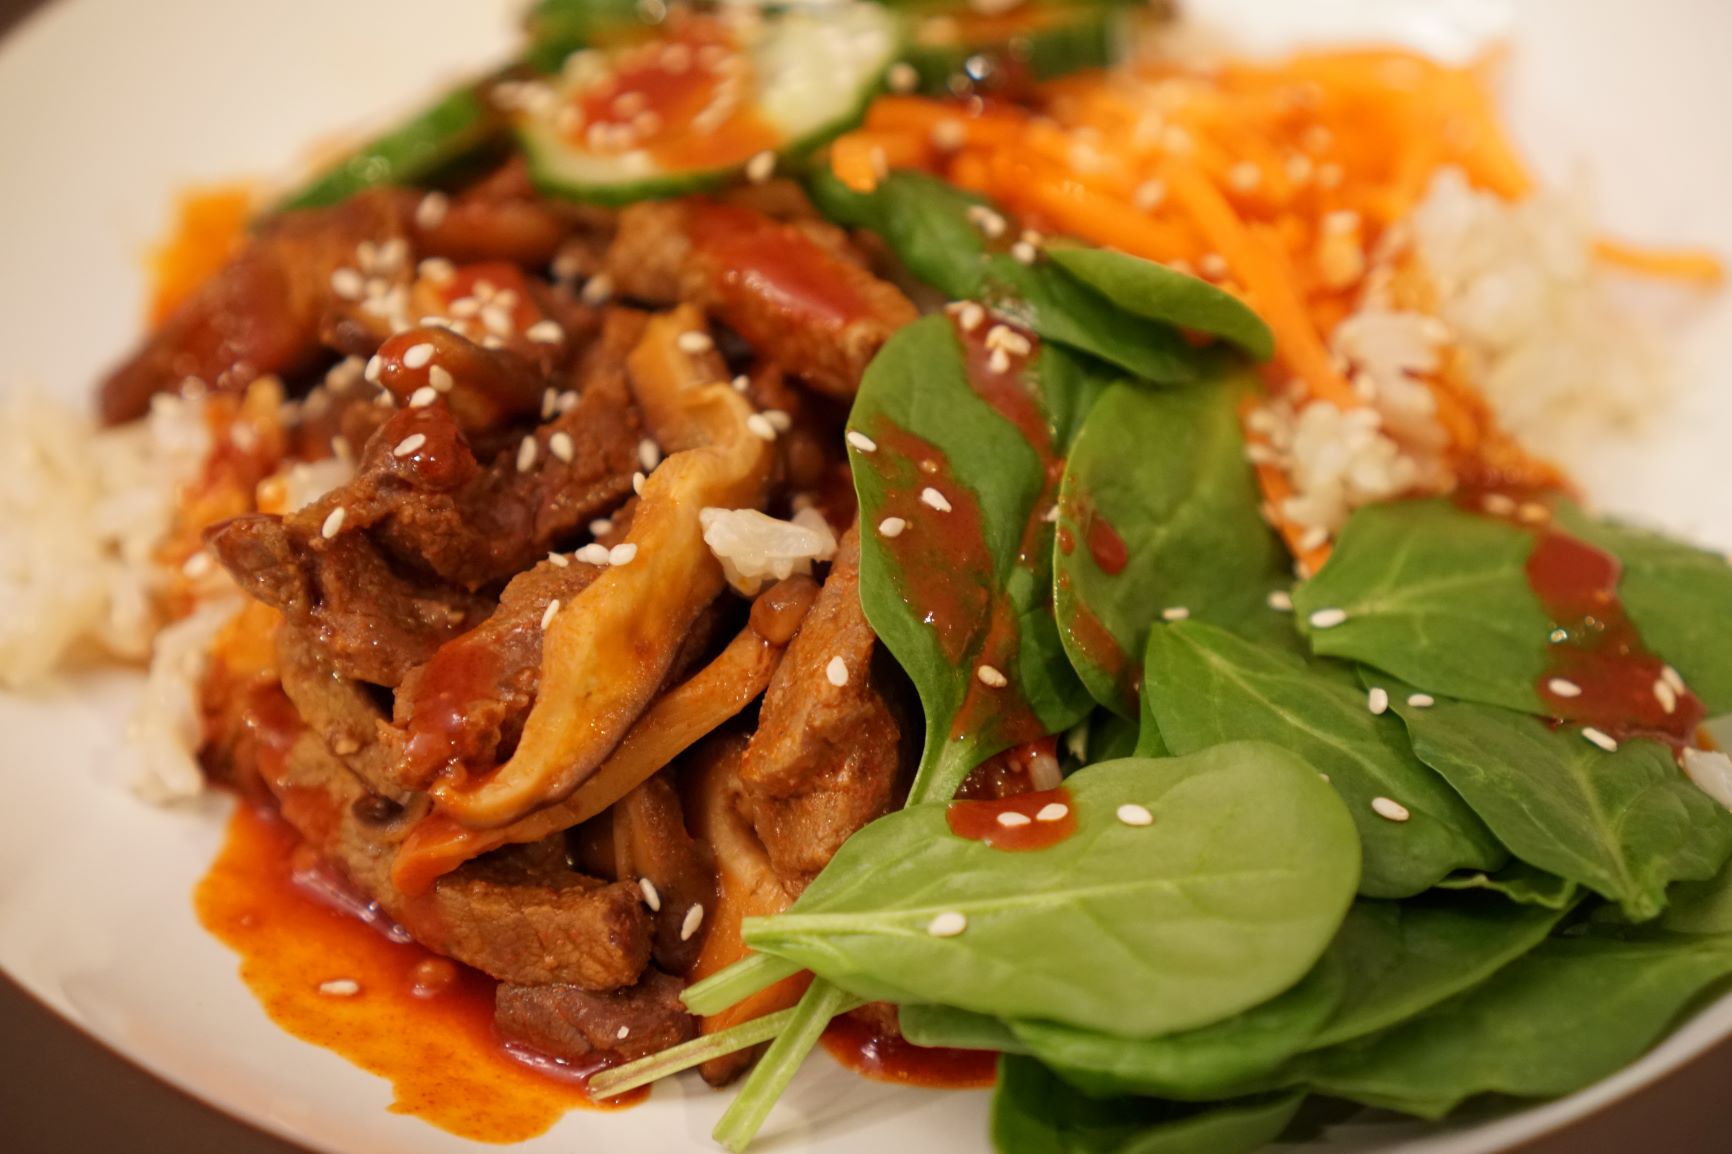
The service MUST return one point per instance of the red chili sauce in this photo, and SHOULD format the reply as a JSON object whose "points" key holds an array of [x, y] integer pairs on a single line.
{"points": [[861, 1047], [985, 821]]}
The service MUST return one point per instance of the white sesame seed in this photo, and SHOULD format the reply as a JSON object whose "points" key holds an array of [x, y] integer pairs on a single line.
{"points": [[638, 479], [437, 269], [594, 553], [970, 316], [1342, 222], [651, 896], [559, 560], [622, 554], [197, 565], [1313, 538], [545, 332], [991, 677], [1052, 811], [1390, 809], [1330, 175], [1010, 819], [548, 614], [902, 77], [779, 419], [933, 499], [348, 284], [333, 522], [1024, 253], [566, 401], [423, 396], [892, 527], [1281, 601], [998, 361], [1563, 687], [498, 321], [597, 290], [1377, 700], [1133, 814], [1245, 176], [1421, 700], [430, 213], [986, 220], [694, 342], [949, 135], [759, 426], [1149, 195], [409, 444], [862, 442], [1175, 613], [340, 987], [1213, 265], [1670, 677], [761, 167], [418, 356], [836, 672], [624, 1033], [439, 378], [560, 446], [1327, 618], [742, 383], [1604, 740], [649, 454], [375, 369], [947, 924], [526, 453], [1666, 696], [693, 919], [600, 527]]}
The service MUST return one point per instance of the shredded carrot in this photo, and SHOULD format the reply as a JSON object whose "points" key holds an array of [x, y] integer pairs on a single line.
{"points": [[1702, 268], [209, 224]]}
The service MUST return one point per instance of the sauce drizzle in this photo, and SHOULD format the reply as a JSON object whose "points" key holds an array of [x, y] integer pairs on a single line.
{"points": [[984, 821], [882, 1057]]}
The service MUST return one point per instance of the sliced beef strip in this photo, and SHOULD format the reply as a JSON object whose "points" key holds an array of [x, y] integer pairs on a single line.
{"points": [[261, 314], [520, 915], [826, 758], [465, 706], [575, 1024], [792, 289], [373, 622], [341, 711], [651, 844], [502, 218]]}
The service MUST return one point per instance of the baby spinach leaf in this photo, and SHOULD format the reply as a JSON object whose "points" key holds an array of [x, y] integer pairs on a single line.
{"points": [[1567, 1014], [1226, 899], [1034, 1112], [1213, 1061], [1436, 596], [1158, 511], [1624, 824], [925, 221], [1519, 882], [1206, 686], [1155, 291], [1679, 598], [1703, 907], [926, 1024], [967, 586]]}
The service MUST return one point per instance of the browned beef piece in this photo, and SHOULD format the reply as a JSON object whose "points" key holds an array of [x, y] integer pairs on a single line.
{"points": [[825, 758], [372, 622], [501, 218], [651, 844], [465, 707], [792, 289], [519, 914], [575, 1024], [341, 711], [260, 314]]}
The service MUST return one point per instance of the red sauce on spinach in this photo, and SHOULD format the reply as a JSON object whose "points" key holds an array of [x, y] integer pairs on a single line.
{"points": [[984, 821]]}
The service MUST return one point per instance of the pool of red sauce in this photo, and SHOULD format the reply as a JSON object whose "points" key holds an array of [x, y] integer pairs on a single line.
{"points": [[978, 820], [761, 260], [860, 1047]]}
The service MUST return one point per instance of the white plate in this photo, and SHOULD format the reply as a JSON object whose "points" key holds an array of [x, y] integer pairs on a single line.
{"points": [[111, 105]]}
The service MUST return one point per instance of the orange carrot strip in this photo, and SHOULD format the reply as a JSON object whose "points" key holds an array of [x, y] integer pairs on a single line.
{"points": [[1703, 268], [861, 159]]}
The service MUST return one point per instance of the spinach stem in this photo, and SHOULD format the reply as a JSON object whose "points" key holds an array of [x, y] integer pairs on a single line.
{"points": [[737, 982], [779, 1065]]}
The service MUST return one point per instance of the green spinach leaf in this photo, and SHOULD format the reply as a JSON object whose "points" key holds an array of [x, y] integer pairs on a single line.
{"points": [[1567, 1014], [1155, 291], [1703, 907], [1034, 1112], [1206, 686], [1158, 512], [1625, 824], [969, 585], [926, 1024], [1225, 899], [1519, 882]]}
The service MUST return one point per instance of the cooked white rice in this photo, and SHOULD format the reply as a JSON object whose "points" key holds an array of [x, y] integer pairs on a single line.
{"points": [[756, 548]]}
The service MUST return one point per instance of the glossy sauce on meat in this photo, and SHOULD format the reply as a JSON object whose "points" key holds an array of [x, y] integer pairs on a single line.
{"points": [[764, 260], [887, 1058], [420, 1021]]}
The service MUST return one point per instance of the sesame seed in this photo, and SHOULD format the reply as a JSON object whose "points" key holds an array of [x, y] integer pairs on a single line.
{"points": [[1327, 618], [1132, 814], [348, 284], [559, 560], [498, 322], [409, 444], [1011, 819], [1213, 265], [1533, 513], [902, 77], [1024, 253], [430, 213], [862, 442], [761, 167], [759, 426], [439, 378], [987, 221], [949, 135], [342, 450], [649, 454], [991, 677], [947, 924], [597, 289], [1390, 809], [742, 383], [340, 987], [624, 1033], [933, 499], [651, 896], [1666, 696], [1313, 538], [1341, 223], [970, 316], [694, 342], [1330, 175], [693, 919], [892, 527], [1245, 176], [1563, 687], [375, 369], [638, 479], [836, 672], [779, 419], [1600, 738], [545, 332], [197, 565], [1149, 195], [548, 614], [1281, 601], [560, 446], [592, 554], [1670, 677], [1175, 613], [622, 554], [333, 523], [1052, 811], [998, 361], [1421, 700], [437, 269], [423, 396], [418, 356], [600, 527], [526, 453], [1377, 700]]}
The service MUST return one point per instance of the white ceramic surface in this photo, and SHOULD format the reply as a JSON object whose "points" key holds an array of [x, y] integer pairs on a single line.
{"points": [[111, 105]]}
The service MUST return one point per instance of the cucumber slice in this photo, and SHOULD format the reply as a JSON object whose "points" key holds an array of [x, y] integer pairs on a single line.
{"points": [[688, 110], [446, 132], [955, 49]]}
